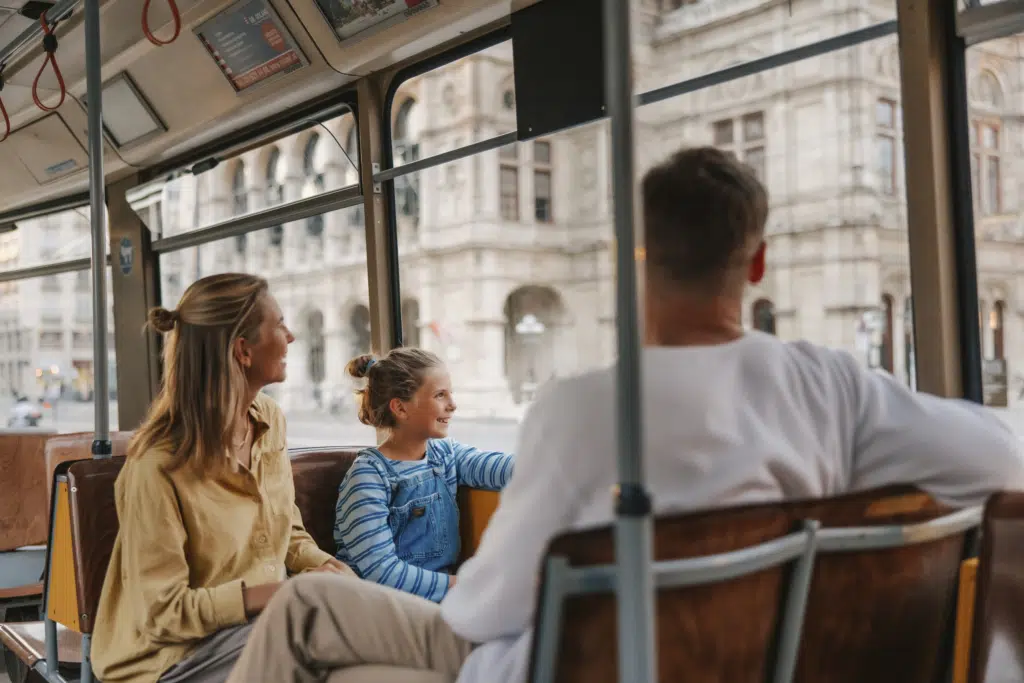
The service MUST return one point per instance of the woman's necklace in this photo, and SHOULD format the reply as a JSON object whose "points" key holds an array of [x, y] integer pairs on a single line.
{"points": [[248, 429]]}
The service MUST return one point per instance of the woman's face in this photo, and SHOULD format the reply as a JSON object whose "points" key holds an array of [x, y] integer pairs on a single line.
{"points": [[266, 355]]}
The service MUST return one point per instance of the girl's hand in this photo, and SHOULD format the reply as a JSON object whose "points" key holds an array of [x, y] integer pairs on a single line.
{"points": [[335, 566]]}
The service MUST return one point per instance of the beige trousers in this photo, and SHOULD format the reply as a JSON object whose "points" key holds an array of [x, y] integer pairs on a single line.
{"points": [[340, 629]]}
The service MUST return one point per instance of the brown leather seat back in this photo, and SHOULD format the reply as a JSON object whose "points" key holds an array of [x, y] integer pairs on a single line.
{"points": [[871, 616], [317, 473], [94, 527], [78, 446], [23, 488], [997, 646]]}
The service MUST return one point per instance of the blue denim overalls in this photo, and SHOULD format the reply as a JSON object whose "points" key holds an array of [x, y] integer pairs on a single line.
{"points": [[424, 516]]}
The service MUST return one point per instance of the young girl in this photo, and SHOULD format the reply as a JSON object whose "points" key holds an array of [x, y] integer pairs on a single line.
{"points": [[397, 522]]}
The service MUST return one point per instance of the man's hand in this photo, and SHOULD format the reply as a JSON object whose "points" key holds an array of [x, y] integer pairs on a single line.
{"points": [[335, 566]]}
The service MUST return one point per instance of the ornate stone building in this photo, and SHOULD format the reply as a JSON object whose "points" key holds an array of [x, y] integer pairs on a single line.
{"points": [[506, 256]]}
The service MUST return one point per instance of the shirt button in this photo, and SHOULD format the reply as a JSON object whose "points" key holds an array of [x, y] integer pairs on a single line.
{"points": [[263, 538], [270, 568]]}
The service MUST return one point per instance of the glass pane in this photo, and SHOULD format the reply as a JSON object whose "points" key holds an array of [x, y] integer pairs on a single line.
{"points": [[325, 156], [320, 282], [754, 157], [753, 127], [723, 132], [469, 100], [46, 348], [838, 270], [688, 39], [522, 301], [994, 107], [885, 114], [542, 152], [61, 236]]}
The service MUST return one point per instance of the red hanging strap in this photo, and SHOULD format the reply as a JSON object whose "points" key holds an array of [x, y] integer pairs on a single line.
{"points": [[175, 15], [50, 46]]}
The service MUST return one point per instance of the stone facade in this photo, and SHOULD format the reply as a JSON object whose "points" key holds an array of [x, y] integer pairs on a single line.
{"points": [[507, 256]]}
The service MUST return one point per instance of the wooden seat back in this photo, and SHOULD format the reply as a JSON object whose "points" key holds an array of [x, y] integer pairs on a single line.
{"points": [[997, 643], [875, 616], [24, 487]]}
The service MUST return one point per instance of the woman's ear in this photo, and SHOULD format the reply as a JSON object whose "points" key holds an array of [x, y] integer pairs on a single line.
{"points": [[242, 353]]}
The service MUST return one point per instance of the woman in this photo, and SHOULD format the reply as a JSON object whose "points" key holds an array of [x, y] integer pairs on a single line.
{"points": [[206, 504]]}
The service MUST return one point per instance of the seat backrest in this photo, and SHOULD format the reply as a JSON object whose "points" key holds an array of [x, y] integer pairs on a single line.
{"points": [[23, 488], [78, 446], [317, 473], [997, 644], [94, 527], [876, 616]]}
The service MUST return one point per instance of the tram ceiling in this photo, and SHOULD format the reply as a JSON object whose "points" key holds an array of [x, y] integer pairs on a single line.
{"points": [[192, 102]]}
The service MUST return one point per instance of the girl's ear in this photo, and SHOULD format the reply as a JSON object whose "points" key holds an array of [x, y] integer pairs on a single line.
{"points": [[398, 408]]}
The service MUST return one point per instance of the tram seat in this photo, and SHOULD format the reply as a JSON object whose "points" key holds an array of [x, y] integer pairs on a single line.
{"points": [[23, 519], [82, 531], [997, 642], [317, 473], [874, 615]]}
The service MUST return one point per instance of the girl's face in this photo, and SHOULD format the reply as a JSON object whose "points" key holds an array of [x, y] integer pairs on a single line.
{"points": [[431, 407]]}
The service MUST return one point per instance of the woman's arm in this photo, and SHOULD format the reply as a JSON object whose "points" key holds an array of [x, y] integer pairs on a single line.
{"points": [[361, 525], [487, 470], [303, 553], [153, 540]]}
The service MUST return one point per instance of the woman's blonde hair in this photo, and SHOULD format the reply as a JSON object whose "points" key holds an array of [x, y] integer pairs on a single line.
{"points": [[399, 375], [199, 404]]}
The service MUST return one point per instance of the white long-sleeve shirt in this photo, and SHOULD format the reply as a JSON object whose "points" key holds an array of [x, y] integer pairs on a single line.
{"points": [[751, 421]]}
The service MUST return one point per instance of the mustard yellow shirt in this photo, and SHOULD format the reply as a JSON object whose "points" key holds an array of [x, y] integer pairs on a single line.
{"points": [[186, 547]]}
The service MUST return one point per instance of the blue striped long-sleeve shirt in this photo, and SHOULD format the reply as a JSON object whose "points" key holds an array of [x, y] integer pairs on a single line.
{"points": [[361, 532]]}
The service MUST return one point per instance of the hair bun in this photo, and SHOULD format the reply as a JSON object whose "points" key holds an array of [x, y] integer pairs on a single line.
{"points": [[162, 320], [360, 366]]}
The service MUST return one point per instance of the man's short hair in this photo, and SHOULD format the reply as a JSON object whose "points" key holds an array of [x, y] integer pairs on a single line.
{"points": [[704, 216]]}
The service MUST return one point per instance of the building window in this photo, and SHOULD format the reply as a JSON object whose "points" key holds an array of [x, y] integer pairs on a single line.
{"points": [[510, 193], [744, 138], [985, 169], [764, 316], [239, 196], [996, 322], [275, 190], [407, 150], [888, 356], [885, 145], [542, 193]]}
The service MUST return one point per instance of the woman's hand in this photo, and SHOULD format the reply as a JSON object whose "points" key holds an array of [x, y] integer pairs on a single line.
{"points": [[255, 598], [335, 566]]}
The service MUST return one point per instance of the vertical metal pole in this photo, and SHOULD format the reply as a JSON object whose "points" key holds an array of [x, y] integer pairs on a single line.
{"points": [[101, 447], [633, 532]]}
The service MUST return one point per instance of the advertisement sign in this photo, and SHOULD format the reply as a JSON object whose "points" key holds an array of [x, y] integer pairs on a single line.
{"points": [[250, 44], [349, 17]]}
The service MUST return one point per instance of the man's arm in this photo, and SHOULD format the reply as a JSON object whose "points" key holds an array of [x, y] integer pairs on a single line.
{"points": [[496, 588], [956, 450]]}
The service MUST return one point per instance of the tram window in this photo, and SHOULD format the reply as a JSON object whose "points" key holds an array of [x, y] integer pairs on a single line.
{"points": [[993, 108], [838, 273], [305, 164], [47, 353], [321, 284]]}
